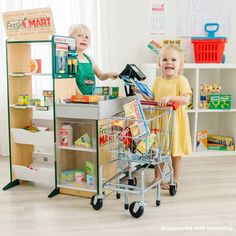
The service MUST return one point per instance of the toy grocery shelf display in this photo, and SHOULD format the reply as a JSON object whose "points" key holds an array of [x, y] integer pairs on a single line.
{"points": [[213, 108], [31, 144]]}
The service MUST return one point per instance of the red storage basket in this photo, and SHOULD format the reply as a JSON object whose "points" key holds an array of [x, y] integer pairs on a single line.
{"points": [[209, 49]]}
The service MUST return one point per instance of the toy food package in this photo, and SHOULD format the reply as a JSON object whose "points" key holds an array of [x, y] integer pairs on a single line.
{"points": [[117, 125], [106, 90], [146, 143], [89, 169], [79, 176], [202, 140], [23, 100], [219, 147], [125, 137], [89, 179], [68, 176], [115, 92], [220, 101], [84, 141], [222, 140], [154, 46], [36, 66], [66, 135], [205, 91], [85, 98], [48, 101], [48, 93], [35, 102], [190, 105], [61, 58], [134, 112]]}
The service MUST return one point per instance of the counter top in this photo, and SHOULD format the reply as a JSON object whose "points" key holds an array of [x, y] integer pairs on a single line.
{"points": [[102, 110]]}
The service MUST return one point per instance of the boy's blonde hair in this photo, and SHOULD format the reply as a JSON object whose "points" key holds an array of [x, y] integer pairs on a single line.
{"points": [[80, 29], [178, 50]]}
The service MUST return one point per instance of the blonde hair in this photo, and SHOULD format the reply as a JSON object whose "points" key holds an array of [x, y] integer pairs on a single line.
{"points": [[178, 50], [80, 29]]}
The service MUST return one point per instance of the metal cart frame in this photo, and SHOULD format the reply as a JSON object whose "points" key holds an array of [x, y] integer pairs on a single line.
{"points": [[157, 156]]}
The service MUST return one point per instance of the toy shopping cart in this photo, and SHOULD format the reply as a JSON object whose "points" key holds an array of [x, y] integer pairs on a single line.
{"points": [[148, 148]]}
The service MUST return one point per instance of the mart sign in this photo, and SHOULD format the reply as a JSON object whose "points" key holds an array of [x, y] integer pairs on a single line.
{"points": [[35, 24]]}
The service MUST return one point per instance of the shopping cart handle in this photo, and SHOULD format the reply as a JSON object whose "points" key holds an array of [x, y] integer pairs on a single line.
{"points": [[174, 105]]}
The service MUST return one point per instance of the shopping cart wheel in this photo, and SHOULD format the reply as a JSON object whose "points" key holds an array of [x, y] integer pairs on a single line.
{"points": [[158, 202], [96, 202], [132, 182], [117, 195], [126, 206], [136, 209], [173, 189]]}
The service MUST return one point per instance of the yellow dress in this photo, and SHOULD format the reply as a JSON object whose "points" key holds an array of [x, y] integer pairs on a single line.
{"points": [[181, 139]]}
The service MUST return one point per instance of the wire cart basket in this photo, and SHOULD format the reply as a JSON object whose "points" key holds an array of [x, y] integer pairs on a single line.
{"points": [[150, 148]]}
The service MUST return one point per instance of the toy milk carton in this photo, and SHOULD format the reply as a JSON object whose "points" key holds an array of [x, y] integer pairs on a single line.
{"points": [[138, 125], [66, 135], [202, 140]]}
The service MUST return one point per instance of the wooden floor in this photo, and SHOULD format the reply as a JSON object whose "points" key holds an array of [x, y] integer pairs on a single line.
{"points": [[204, 205]]}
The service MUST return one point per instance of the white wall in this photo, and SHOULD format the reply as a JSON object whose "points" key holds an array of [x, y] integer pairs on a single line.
{"points": [[126, 23], [3, 97]]}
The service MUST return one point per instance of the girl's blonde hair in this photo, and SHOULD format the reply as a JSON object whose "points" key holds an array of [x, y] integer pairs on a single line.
{"points": [[178, 50], [76, 29]]}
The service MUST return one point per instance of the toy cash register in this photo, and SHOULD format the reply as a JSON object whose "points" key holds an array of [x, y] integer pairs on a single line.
{"points": [[130, 73]]}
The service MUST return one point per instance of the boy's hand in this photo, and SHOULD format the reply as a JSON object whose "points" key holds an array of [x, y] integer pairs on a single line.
{"points": [[113, 75]]}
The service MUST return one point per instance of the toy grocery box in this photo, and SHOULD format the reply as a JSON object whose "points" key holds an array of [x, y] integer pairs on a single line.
{"points": [[220, 101], [202, 140]]}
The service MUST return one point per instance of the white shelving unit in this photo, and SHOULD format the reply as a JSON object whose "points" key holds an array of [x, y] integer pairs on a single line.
{"points": [[218, 122]]}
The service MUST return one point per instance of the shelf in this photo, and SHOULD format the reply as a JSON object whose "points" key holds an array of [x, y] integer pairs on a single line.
{"points": [[215, 110], [213, 153], [209, 66], [200, 66], [22, 136], [76, 148], [78, 186], [37, 114], [23, 74], [43, 115], [191, 110], [30, 42], [45, 176]]}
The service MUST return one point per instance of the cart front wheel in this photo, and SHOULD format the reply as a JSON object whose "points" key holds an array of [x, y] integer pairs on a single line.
{"points": [[173, 189], [136, 209], [96, 202]]}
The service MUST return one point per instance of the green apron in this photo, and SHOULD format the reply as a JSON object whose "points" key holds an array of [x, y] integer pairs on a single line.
{"points": [[85, 78]]}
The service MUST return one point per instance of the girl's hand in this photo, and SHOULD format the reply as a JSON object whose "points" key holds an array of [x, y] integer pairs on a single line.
{"points": [[163, 101]]}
